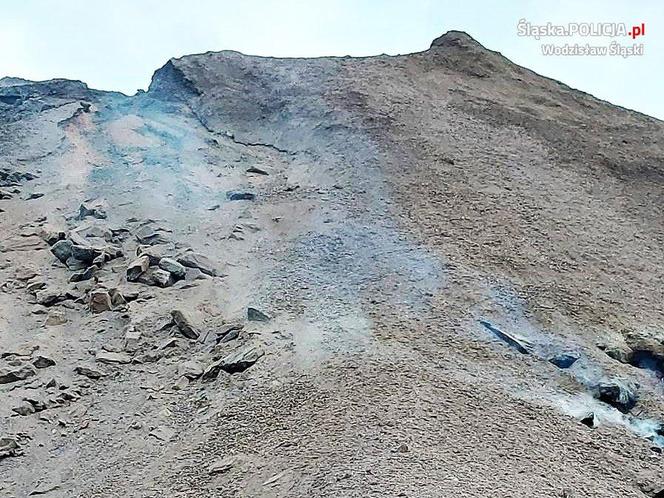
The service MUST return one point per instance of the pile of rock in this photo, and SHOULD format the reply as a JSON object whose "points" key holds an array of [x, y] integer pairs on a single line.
{"points": [[154, 266]]}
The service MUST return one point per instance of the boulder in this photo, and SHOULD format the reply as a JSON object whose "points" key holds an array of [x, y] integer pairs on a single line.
{"points": [[192, 259], [56, 317], [100, 301], [621, 395], [235, 362], [95, 209], [254, 315], [62, 250], [190, 369], [86, 254], [184, 324], [42, 361], [14, 374], [240, 196], [156, 277], [564, 360], [9, 447], [137, 267], [151, 236], [173, 267], [112, 357], [89, 371]]}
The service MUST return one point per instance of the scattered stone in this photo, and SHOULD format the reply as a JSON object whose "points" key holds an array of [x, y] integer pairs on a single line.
{"points": [[258, 171], [156, 277], [42, 361], [24, 409], [190, 369], [155, 253], [56, 317], [137, 267], [109, 357], [33, 287], [89, 371], [15, 374], [62, 250], [620, 395], [171, 342], [118, 299], [564, 360], [38, 309], [151, 236], [518, 343], [254, 315], [52, 237], [34, 195], [9, 447], [96, 209], [589, 420], [240, 196], [222, 466], [184, 324], [100, 301], [173, 267], [192, 259], [86, 274], [229, 332], [86, 254], [132, 339], [49, 296], [235, 362]]}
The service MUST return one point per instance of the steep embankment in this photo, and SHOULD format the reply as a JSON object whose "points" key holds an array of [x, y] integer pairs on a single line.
{"points": [[436, 274]]}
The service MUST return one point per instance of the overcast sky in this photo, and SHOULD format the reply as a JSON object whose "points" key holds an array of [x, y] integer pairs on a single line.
{"points": [[117, 45]]}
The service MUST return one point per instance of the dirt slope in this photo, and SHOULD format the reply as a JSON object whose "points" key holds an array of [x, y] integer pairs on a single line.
{"points": [[428, 275]]}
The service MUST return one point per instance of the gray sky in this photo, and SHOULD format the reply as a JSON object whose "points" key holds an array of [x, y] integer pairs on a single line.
{"points": [[117, 45]]}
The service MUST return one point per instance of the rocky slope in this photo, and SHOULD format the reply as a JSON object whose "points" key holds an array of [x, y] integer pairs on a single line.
{"points": [[436, 274]]}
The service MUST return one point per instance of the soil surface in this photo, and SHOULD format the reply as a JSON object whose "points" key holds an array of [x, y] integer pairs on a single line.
{"points": [[430, 275]]}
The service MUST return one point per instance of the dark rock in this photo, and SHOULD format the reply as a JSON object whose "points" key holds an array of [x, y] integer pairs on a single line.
{"points": [[137, 267], [173, 267], [240, 196], [589, 420], [51, 237], [258, 171], [86, 274], [156, 277], [62, 250], [621, 396], [15, 374], [235, 362], [112, 357], [87, 254], [34, 195], [9, 447], [192, 259], [96, 209], [100, 301], [229, 332], [42, 361], [254, 315], [518, 343], [184, 324], [564, 360], [151, 236], [89, 371]]}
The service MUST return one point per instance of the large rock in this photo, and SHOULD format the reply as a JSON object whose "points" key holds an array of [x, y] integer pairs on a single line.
{"points": [[156, 277], [137, 267], [173, 267], [235, 362], [190, 369], [150, 236], [14, 374], [184, 324], [192, 259], [100, 301], [9, 447], [109, 357], [621, 395], [95, 209], [89, 371], [62, 250]]}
